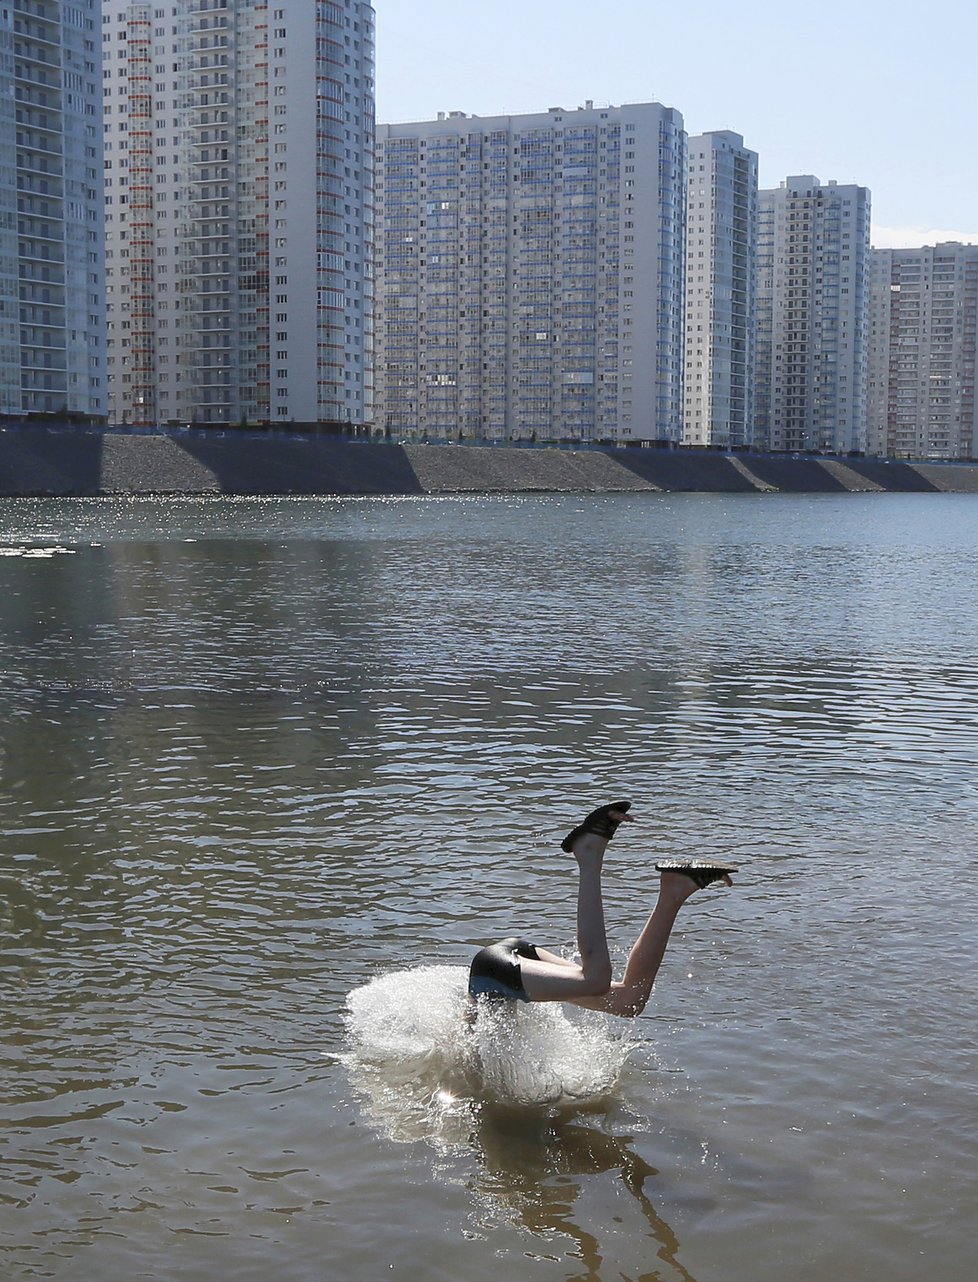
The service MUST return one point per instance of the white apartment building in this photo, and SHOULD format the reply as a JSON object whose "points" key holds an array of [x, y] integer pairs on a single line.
{"points": [[52, 288], [812, 297], [922, 352], [721, 215], [529, 282], [239, 191]]}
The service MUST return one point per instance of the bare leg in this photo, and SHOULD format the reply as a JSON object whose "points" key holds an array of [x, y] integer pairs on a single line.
{"points": [[551, 978], [628, 996]]}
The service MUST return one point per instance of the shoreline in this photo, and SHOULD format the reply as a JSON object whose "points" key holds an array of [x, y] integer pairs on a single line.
{"points": [[62, 463]]}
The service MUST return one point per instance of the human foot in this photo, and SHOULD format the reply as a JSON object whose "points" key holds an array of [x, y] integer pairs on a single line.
{"points": [[602, 823], [702, 872]]}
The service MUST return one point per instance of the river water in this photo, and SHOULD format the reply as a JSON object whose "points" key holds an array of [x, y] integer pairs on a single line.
{"points": [[272, 770]]}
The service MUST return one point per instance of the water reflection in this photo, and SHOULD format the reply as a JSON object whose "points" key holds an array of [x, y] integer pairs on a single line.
{"points": [[536, 1164]]}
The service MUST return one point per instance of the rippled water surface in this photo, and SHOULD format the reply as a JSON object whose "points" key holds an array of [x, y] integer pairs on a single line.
{"points": [[273, 770]]}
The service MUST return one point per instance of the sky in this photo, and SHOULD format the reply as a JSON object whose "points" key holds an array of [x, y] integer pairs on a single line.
{"points": [[880, 94]]}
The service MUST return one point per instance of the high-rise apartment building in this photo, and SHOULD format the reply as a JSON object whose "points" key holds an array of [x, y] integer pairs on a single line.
{"points": [[239, 192], [530, 275], [812, 296], [52, 291], [922, 352], [721, 214]]}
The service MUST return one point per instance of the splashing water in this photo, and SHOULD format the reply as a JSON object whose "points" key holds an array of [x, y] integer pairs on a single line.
{"points": [[421, 1065]]}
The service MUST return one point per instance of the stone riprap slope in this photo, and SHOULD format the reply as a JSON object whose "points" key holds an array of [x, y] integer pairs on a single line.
{"points": [[59, 462]]}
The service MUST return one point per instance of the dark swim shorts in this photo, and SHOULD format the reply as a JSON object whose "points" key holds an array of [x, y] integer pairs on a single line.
{"points": [[495, 971]]}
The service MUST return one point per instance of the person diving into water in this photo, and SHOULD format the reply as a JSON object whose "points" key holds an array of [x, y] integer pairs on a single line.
{"points": [[516, 970]]}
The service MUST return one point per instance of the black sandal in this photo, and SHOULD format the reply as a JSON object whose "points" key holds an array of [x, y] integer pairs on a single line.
{"points": [[704, 874], [598, 822]]}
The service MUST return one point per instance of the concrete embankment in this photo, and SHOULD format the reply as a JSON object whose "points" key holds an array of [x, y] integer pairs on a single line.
{"points": [[85, 463]]}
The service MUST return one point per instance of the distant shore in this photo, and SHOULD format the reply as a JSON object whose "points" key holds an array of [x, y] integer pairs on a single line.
{"points": [[56, 462]]}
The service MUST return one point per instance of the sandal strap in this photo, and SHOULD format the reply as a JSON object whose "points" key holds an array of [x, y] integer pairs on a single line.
{"points": [[598, 822], [703, 874]]}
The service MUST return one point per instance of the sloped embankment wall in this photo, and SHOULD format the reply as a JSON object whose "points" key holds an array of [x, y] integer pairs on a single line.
{"points": [[55, 462]]}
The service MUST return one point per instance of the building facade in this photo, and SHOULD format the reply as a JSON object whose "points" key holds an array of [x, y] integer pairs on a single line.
{"points": [[812, 299], [922, 352], [239, 207], [52, 288], [529, 282], [721, 215]]}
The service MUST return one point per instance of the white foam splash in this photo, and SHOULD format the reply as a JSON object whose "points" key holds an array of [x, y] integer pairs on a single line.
{"points": [[421, 1066]]}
